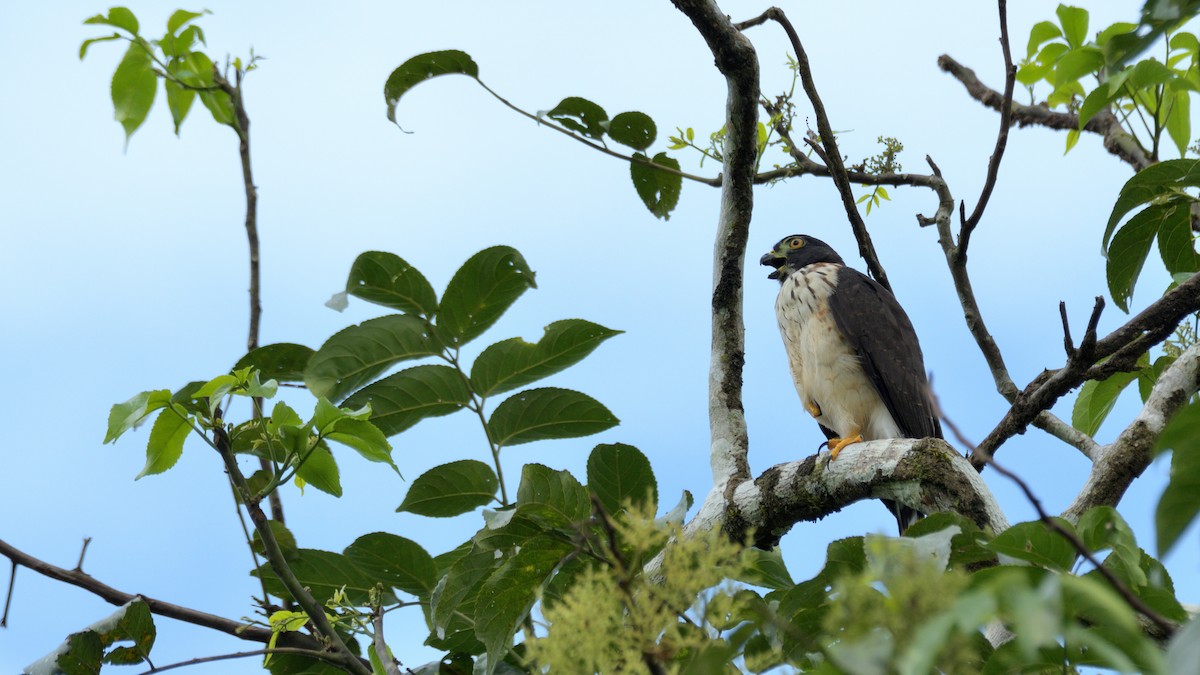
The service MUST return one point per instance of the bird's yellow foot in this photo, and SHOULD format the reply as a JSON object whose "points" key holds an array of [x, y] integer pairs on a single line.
{"points": [[812, 408], [836, 444]]}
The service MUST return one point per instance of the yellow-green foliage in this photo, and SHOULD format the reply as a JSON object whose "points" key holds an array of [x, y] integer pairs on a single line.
{"points": [[613, 618]]}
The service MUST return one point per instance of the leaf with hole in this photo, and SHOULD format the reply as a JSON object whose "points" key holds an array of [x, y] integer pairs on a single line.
{"points": [[425, 67], [486, 285], [634, 129], [394, 561], [620, 473], [549, 412], [659, 190], [579, 115], [386, 279]]}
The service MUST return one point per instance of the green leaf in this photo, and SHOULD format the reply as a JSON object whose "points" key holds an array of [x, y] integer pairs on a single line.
{"points": [[1150, 183], [1149, 375], [634, 129], [118, 17], [486, 285], [179, 100], [365, 438], [1130, 246], [1096, 400], [167, 435], [321, 471], [89, 42], [386, 279], [180, 18], [507, 596], [217, 387], [401, 400], [1180, 501], [513, 363], [550, 412], [1103, 528], [455, 594], [133, 86], [395, 561], [966, 547], [1074, 21], [282, 361], [554, 497], [451, 489], [1041, 32], [659, 190], [323, 573], [1099, 99], [1118, 28], [1072, 139], [1034, 542], [423, 67], [619, 473], [283, 537], [83, 652], [1176, 245], [579, 115], [1077, 63], [219, 105], [127, 415], [358, 354], [766, 569]]}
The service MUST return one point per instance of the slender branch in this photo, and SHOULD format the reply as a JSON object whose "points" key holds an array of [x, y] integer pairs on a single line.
{"points": [[1116, 140], [311, 653], [390, 665], [82, 553], [12, 583], [1165, 626], [832, 155], [713, 182], [316, 613], [993, 170]]}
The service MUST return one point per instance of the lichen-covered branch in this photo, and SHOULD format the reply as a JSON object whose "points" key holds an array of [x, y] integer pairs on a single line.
{"points": [[736, 60], [1117, 464], [925, 474]]}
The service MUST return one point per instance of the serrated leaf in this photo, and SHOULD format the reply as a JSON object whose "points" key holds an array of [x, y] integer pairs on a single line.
{"points": [[619, 473], [83, 652], [165, 446], [83, 48], [401, 400], [480, 291], [358, 354], [323, 573], [513, 363], [555, 497], [634, 129], [127, 415], [1074, 21], [456, 593], [579, 115], [549, 412], [766, 569], [1180, 501], [321, 471], [1131, 244], [1077, 63], [509, 593], [133, 86], [424, 67], [117, 17], [395, 561], [1176, 244], [1096, 401], [1149, 375], [659, 190], [1036, 543], [1150, 183], [386, 279], [179, 18], [365, 438], [1041, 32], [451, 489], [1103, 528], [282, 361]]}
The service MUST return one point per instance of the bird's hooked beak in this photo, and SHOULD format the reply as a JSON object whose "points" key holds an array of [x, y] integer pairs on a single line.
{"points": [[774, 259]]}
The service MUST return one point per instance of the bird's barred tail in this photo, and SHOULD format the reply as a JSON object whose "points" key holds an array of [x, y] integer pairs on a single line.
{"points": [[905, 516]]}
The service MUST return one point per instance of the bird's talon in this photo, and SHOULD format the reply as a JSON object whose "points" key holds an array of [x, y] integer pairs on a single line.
{"points": [[837, 444]]}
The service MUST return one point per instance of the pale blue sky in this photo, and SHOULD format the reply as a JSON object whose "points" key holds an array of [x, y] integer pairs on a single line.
{"points": [[126, 271]]}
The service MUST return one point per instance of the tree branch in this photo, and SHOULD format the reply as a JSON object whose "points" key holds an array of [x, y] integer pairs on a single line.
{"points": [[1116, 140], [737, 61], [925, 474], [313, 654], [832, 155]]}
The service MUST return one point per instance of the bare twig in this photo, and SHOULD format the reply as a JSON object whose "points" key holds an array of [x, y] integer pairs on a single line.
{"points": [[12, 582], [390, 664], [311, 653], [1105, 124], [832, 155], [82, 553]]}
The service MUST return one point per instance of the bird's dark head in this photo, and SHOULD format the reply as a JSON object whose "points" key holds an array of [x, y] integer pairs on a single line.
{"points": [[796, 251]]}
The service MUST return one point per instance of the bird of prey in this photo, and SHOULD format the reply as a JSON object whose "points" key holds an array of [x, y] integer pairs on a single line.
{"points": [[852, 350]]}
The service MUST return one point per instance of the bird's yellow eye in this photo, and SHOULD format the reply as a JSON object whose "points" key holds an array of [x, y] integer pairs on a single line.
{"points": [[796, 242]]}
